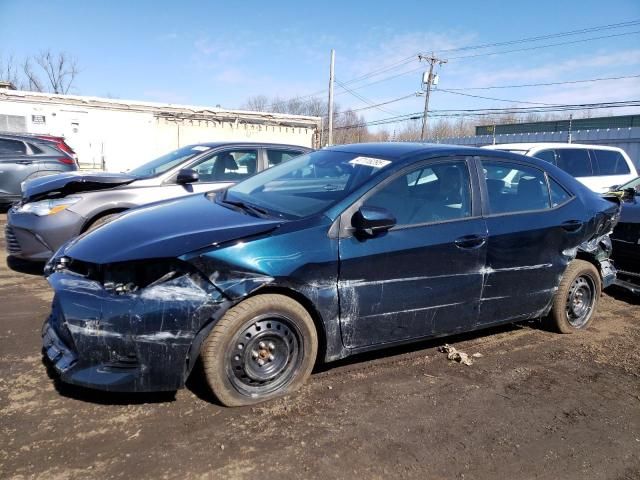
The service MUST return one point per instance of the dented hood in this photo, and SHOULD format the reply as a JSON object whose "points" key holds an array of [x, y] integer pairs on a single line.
{"points": [[166, 229], [63, 184]]}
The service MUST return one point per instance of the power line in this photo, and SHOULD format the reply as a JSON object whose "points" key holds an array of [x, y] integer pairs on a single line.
{"points": [[365, 100], [497, 111], [492, 98], [406, 60], [413, 70], [545, 46], [455, 91], [545, 37], [568, 82]]}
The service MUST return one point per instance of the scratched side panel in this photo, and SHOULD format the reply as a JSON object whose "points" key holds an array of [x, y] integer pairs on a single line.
{"points": [[526, 257], [301, 260]]}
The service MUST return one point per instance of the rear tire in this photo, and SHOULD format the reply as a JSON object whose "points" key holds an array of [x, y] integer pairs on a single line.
{"points": [[577, 297], [101, 221], [262, 348]]}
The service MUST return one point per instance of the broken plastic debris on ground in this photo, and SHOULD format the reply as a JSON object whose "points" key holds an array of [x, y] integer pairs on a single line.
{"points": [[458, 356]]}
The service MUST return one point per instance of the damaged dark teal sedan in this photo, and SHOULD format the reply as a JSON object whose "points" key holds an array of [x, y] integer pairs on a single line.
{"points": [[339, 251]]}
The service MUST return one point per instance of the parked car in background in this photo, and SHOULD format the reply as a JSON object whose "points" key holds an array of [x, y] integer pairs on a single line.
{"points": [[626, 237], [57, 208], [339, 251], [24, 157], [598, 167]]}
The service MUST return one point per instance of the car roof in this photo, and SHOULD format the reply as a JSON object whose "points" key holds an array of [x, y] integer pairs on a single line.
{"points": [[402, 150], [536, 145], [26, 137], [244, 144]]}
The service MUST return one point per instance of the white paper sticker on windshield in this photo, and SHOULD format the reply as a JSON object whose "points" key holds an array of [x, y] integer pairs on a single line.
{"points": [[200, 148], [370, 162]]}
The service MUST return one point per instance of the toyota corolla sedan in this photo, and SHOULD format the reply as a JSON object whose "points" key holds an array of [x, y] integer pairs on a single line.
{"points": [[338, 251], [56, 208]]}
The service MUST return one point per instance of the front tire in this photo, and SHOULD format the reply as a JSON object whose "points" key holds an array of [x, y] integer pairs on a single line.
{"points": [[576, 299], [262, 348]]}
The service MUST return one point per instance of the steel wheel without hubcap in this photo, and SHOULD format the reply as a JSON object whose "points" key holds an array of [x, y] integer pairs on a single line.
{"points": [[580, 301], [263, 347], [264, 355], [576, 299]]}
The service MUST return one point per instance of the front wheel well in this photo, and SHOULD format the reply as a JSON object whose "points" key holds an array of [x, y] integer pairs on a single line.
{"points": [[98, 216], [309, 307]]}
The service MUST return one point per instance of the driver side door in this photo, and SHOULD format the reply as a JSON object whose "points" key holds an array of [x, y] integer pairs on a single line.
{"points": [[423, 276]]}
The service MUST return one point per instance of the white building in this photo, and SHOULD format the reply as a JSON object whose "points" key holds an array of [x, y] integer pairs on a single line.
{"points": [[116, 135]]}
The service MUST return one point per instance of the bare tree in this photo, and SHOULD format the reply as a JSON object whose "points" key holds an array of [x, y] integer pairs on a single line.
{"points": [[60, 71], [9, 71]]}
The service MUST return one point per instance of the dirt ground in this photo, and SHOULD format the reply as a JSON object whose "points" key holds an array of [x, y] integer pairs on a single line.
{"points": [[535, 405]]}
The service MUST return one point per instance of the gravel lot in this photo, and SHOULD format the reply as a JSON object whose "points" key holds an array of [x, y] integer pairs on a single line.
{"points": [[535, 405]]}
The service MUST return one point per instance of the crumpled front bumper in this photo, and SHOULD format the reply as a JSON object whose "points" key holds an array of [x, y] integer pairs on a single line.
{"points": [[142, 341]]}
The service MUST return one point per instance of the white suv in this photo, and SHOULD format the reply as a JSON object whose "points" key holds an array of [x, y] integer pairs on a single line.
{"points": [[598, 167]]}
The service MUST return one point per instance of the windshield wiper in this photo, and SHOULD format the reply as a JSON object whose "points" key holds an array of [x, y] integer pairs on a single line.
{"points": [[256, 211]]}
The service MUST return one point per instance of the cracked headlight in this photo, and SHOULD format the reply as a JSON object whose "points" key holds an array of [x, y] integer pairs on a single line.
{"points": [[43, 208]]}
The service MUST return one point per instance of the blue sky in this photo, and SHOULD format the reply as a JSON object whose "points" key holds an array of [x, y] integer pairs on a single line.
{"points": [[209, 53]]}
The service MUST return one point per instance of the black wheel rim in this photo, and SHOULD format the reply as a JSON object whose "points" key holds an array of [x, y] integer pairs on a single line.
{"points": [[580, 301], [264, 355]]}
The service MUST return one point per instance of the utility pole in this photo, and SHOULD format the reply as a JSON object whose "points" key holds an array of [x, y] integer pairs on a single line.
{"points": [[330, 109], [432, 61]]}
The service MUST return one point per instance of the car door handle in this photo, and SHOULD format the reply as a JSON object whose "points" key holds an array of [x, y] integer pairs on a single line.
{"points": [[23, 162], [572, 225], [470, 241]]}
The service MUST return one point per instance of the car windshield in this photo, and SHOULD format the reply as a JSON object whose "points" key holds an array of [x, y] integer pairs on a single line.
{"points": [[168, 161], [308, 184], [632, 184]]}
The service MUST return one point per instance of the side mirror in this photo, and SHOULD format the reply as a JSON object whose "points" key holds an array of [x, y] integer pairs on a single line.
{"points": [[629, 194], [187, 175], [371, 221]]}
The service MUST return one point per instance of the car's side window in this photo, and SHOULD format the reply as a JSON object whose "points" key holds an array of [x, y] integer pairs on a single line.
{"points": [[547, 156], [558, 193], [228, 166], [276, 157], [432, 193], [9, 147], [575, 161], [515, 188], [610, 162]]}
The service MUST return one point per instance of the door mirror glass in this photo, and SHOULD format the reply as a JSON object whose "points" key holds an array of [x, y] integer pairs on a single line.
{"points": [[371, 221], [187, 175]]}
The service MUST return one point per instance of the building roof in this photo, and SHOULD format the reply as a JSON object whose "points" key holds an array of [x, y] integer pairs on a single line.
{"points": [[196, 112]]}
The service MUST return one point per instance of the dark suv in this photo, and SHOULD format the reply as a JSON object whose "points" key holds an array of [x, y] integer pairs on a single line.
{"points": [[23, 157]]}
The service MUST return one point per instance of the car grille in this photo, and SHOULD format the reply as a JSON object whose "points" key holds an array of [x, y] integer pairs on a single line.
{"points": [[13, 246]]}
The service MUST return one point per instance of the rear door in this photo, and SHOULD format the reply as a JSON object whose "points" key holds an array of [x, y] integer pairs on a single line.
{"points": [[16, 164], [424, 275], [533, 223]]}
